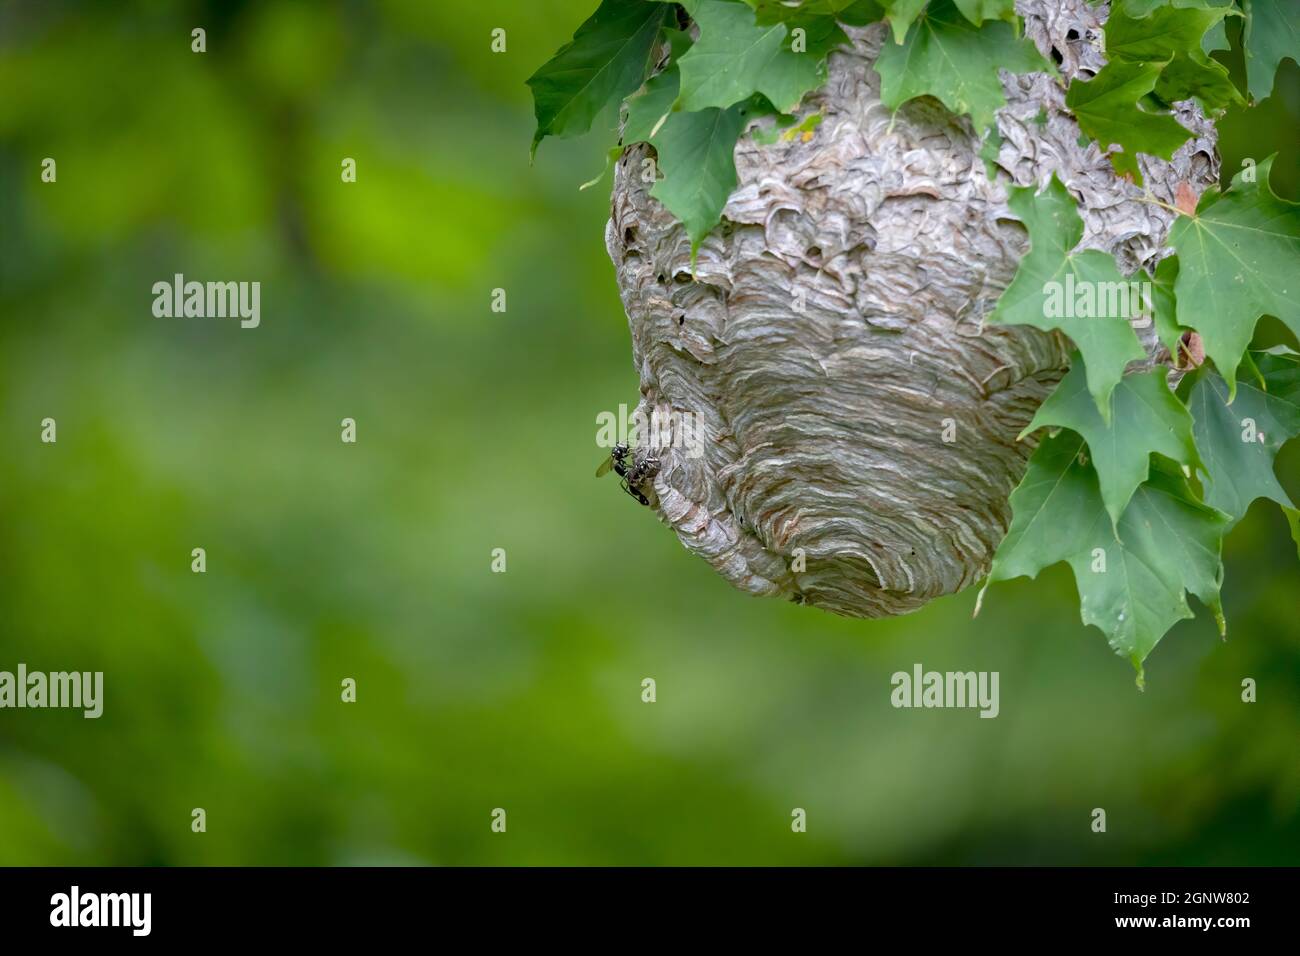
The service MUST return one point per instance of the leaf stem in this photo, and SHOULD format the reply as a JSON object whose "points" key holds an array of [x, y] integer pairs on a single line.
{"points": [[1147, 198]]}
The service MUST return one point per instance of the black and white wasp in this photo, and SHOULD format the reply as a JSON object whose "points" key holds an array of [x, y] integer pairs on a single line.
{"points": [[633, 475]]}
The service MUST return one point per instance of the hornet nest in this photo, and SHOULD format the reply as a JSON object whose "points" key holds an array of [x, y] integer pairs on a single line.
{"points": [[825, 477]]}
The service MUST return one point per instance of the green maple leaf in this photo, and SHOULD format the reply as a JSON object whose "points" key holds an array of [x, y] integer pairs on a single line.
{"points": [[857, 12], [654, 101], [648, 108], [1172, 35], [818, 19], [1133, 577], [818, 16], [1141, 8], [1106, 108], [1145, 34], [1272, 34], [820, 33], [736, 57], [697, 159], [1238, 261], [1147, 417], [1165, 305], [977, 11], [1216, 38], [947, 57], [1239, 441], [901, 14], [607, 59], [1195, 75], [1107, 341], [696, 150]]}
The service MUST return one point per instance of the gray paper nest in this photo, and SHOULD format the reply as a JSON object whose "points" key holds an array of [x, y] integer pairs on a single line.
{"points": [[831, 334]]}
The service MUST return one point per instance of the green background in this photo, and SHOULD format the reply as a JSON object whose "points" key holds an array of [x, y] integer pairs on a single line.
{"points": [[476, 431]]}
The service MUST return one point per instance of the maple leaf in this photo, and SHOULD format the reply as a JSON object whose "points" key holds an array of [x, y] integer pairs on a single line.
{"points": [[608, 58], [1051, 269], [945, 56], [1237, 262], [1106, 108], [1133, 577], [1239, 441], [1272, 34], [1147, 418], [736, 57]]}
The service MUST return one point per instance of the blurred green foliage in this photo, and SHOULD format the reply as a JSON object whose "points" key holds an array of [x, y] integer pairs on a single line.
{"points": [[480, 690]]}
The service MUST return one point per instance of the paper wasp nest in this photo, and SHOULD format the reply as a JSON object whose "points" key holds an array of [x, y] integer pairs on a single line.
{"points": [[831, 337]]}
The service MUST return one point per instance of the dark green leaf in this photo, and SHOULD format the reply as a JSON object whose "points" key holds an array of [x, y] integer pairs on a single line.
{"points": [[977, 11], [1272, 34], [1238, 442], [655, 100], [1147, 417], [1132, 579], [901, 15], [944, 56], [1238, 260], [697, 158], [1172, 35], [1043, 293], [1165, 304], [608, 58], [819, 19], [736, 57], [1107, 110]]}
